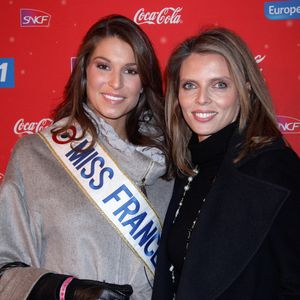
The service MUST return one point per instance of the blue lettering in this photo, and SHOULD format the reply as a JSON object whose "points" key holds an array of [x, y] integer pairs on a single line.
{"points": [[87, 160], [126, 210], [92, 172], [135, 222], [101, 178], [114, 195], [153, 259], [146, 251], [77, 155], [145, 231]]}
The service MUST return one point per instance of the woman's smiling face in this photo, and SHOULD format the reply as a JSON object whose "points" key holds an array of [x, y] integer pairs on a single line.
{"points": [[207, 94], [113, 83]]}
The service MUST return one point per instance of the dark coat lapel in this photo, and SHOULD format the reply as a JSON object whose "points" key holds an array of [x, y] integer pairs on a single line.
{"points": [[233, 223]]}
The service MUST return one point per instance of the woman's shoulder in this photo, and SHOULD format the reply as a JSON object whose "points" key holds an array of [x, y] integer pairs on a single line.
{"points": [[276, 163], [26, 141], [26, 146], [24, 155], [278, 153]]}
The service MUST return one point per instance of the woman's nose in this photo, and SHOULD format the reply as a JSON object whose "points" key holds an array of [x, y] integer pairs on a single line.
{"points": [[115, 80], [203, 97]]}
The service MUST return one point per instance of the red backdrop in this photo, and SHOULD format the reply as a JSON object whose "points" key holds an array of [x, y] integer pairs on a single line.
{"points": [[39, 38]]}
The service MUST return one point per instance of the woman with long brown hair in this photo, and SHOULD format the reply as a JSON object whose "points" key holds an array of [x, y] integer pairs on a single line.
{"points": [[82, 202]]}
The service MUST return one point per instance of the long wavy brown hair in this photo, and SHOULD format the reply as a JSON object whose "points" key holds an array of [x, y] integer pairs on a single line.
{"points": [[257, 120], [150, 108]]}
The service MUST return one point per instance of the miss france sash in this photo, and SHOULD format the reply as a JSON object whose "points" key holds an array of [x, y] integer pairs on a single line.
{"points": [[109, 189]]}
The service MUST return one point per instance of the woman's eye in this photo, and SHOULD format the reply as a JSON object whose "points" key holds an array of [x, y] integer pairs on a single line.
{"points": [[221, 85], [102, 66], [131, 71], [188, 85]]}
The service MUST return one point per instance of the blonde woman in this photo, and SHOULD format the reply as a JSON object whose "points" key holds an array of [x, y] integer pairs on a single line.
{"points": [[232, 227]]}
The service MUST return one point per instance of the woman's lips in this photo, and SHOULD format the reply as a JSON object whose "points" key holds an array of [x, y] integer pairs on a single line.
{"points": [[204, 116], [112, 97]]}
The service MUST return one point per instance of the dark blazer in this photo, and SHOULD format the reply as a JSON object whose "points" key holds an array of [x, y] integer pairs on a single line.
{"points": [[246, 243]]}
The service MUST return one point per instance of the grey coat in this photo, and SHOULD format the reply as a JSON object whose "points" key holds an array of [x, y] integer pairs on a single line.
{"points": [[49, 224]]}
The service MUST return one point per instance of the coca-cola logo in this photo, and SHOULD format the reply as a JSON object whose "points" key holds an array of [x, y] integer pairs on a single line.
{"points": [[22, 127], [167, 15], [260, 58]]}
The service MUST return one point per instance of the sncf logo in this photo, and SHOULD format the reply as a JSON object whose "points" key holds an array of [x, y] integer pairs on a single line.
{"points": [[288, 125], [34, 18]]}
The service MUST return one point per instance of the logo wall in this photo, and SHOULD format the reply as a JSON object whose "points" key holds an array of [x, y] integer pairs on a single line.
{"points": [[167, 15]]}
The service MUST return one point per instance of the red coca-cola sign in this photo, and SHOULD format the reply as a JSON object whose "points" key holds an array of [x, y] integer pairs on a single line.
{"points": [[167, 15], [21, 127]]}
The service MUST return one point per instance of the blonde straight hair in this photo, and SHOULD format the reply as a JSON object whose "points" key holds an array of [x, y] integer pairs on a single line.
{"points": [[257, 120]]}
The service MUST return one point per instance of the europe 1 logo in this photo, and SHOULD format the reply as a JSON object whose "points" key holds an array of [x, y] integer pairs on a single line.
{"points": [[7, 76]]}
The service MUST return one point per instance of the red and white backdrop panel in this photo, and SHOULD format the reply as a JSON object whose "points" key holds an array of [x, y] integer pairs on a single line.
{"points": [[38, 40]]}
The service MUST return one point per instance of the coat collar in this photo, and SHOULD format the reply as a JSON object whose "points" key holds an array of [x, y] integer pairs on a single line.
{"points": [[238, 213]]}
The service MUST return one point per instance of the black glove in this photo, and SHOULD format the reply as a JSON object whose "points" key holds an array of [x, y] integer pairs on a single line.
{"points": [[80, 289], [48, 287], [111, 291]]}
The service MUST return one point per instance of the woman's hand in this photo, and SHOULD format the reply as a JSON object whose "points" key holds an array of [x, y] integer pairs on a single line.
{"points": [[94, 290]]}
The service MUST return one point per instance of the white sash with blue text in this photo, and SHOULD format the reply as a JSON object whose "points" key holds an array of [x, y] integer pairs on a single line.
{"points": [[109, 189]]}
